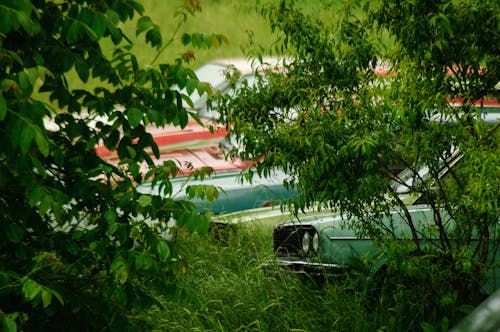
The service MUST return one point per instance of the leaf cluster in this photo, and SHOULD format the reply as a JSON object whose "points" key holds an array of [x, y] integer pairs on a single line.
{"points": [[343, 117], [79, 247]]}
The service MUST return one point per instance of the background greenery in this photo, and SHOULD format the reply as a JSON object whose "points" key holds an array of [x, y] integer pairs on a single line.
{"points": [[238, 20]]}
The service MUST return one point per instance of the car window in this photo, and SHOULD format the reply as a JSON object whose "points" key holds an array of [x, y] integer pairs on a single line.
{"points": [[214, 75]]}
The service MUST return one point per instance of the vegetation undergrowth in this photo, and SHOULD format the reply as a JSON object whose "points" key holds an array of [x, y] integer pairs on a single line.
{"points": [[233, 285], [233, 291]]}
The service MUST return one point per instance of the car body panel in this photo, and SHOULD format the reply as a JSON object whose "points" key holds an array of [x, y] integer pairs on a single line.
{"points": [[197, 145], [235, 194]]}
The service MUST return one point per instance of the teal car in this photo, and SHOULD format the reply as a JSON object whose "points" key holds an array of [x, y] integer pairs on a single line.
{"points": [[325, 243], [235, 194], [319, 243]]}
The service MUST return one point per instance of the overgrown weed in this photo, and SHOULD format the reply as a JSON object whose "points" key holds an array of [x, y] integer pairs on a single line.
{"points": [[226, 288]]}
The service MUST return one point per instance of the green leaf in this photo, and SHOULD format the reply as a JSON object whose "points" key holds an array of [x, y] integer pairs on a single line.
{"points": [[3, 107], [82, 69], [26, 138], [191, 86], [14, 232], [116, 35], [162, 249], [212, 193], [140, 260], [116, 264], [144, 200], [99, 25], [42, 142], [110, 215], [113, 227], [29, 26], [90, 32], [186, 39], [134, 116], [58, 296], [45, 205], [30, 288], [74, 31], [46, 298], [125, 199], [183, 118], [122, 233], [197, 40], [5, 22], [35, 195], [208, 40], [204, 87], [445, 324], [143, 24], [426, 327], [154, 37], [113, 17], [9, 324], [143, 261], [119, 269], [203, 226], [25, 83]]}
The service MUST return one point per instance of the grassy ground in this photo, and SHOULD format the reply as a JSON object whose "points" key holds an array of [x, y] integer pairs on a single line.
{"points": [[231, 291], [232, 18], [236, 19]]}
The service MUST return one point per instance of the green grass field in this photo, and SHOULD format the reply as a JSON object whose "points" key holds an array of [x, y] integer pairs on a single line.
{"points": [[235, 19], [238, 20]]}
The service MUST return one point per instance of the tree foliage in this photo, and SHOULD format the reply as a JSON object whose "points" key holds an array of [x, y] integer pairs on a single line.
{"points": [[80, 249], [344, 115]]}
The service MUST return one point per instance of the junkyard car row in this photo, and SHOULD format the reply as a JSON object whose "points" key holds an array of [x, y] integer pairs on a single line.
{"points": [[308, 243]]}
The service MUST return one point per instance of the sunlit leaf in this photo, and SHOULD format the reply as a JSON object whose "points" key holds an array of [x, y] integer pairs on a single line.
{"points": [[46, 298], [144, 200], [30, 288], [162, 249]]}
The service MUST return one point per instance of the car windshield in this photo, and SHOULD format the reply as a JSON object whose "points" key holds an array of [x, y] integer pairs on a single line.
{"points": [[211, 73], [214, 75]]}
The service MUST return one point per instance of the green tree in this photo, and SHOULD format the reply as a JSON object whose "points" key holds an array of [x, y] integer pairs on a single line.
{"points": [[373, 92], [79, 248]]}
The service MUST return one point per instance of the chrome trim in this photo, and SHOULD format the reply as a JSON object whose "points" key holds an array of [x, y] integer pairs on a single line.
{"points": [[348, 238], [306, 263]]}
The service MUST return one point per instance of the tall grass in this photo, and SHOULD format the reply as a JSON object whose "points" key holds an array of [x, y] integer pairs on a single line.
{"points": [[230, 290], [228, 287]]}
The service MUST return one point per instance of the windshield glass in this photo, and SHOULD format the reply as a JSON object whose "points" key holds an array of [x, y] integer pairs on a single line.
{"points": [[212, 74]]}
